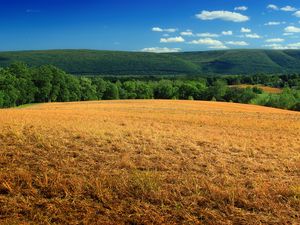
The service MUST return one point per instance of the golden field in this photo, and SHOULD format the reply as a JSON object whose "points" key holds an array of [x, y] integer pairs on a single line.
{"points": [[266, 89], [149, 162]]}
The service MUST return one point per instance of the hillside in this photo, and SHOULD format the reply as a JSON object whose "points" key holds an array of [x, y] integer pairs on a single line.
{"points": [[149, 162], [94, 62], [245, 61]]}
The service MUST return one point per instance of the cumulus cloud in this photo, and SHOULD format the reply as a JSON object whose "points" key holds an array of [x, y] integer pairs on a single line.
{"points": [[241, 8], [172, 40], [212, 43], [227, 33], [245, 30], [237, 43], [207, 35], [294, 45], [222, 15], [187, 33], [253, 36], [288, 8], [169, 30], [297, 14], [275, 46], [292, 29], [273, 7], [160, 50], [274, 40], [279, 46]]}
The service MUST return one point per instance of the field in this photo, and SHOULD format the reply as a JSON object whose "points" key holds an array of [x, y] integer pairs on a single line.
{"points": [[267, 89], [149, 162]]}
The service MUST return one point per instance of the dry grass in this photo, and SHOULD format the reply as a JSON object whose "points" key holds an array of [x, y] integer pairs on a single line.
{"points": [[267, 89], [149, 162]]}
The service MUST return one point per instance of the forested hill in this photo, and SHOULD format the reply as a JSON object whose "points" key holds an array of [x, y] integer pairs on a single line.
{"points": [[93, 62]]}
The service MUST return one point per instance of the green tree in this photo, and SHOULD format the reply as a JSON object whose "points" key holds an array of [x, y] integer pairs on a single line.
{"points": [[100, 87], [164, 90], [143, 90], [216, 91], [88, 90], [1, 99], [10, 93], [112, 92], [24, 84], [42, 78], [187, 91]]}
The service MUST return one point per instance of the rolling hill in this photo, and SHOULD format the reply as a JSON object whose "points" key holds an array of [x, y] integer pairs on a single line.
{"points": [[93, 62]]}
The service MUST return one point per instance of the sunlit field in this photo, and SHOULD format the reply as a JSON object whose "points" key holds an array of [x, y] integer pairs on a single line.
{"points": [[149, 162], [266, 89]]}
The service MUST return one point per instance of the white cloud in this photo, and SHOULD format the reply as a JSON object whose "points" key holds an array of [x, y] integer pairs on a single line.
{"points": [[172, 40], [288, 9], [275, 46], [237, 43], [206, 41], [289, 46], [274, 23], [212, 43], [292, 29], [207, 35], [227, 33], [253, 36], [169, 30], [272, 6], [245, 30], [288, 34], [241, 8], [218, 47], [160, 50], [294, 45], [297, 14], [274, 40], [222, 15], [187, 33]]}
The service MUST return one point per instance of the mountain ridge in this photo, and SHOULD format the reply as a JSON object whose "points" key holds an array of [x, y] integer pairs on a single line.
{"points": [[105, 62]]}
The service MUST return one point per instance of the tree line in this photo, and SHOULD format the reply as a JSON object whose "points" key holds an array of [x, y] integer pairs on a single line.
{"points": [[21, 85]]}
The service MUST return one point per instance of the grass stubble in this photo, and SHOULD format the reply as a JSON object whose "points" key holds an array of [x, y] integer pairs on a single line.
{"points": [[149, 162]]}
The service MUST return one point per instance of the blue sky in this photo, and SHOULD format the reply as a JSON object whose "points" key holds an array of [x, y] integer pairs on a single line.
{"points": [[149, 25]]}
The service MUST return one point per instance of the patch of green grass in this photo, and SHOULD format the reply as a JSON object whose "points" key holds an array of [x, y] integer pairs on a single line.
{"points": [[27, 105]]}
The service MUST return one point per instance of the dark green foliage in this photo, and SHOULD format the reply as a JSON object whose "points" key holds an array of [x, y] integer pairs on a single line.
{"points": [[8, 87], [87, 89], [240, 95], [164, 89], [216, 91], [1, 99], [20, 84], [101, 86], [91, 62], [111, 92]]}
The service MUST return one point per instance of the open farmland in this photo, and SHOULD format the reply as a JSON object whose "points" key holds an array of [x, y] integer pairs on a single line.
{"points": [[267, 89], [149, 162]]}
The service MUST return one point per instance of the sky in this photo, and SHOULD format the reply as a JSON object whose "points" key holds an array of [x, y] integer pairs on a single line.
{"points": [[149, 25]]}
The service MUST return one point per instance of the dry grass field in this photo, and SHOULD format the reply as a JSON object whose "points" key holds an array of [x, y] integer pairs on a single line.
{"points": [[149, 162], [267, 89]]}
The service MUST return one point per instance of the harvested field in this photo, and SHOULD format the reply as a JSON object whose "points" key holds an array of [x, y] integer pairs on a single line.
{"points": [[267, 89], [149, 162]]}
